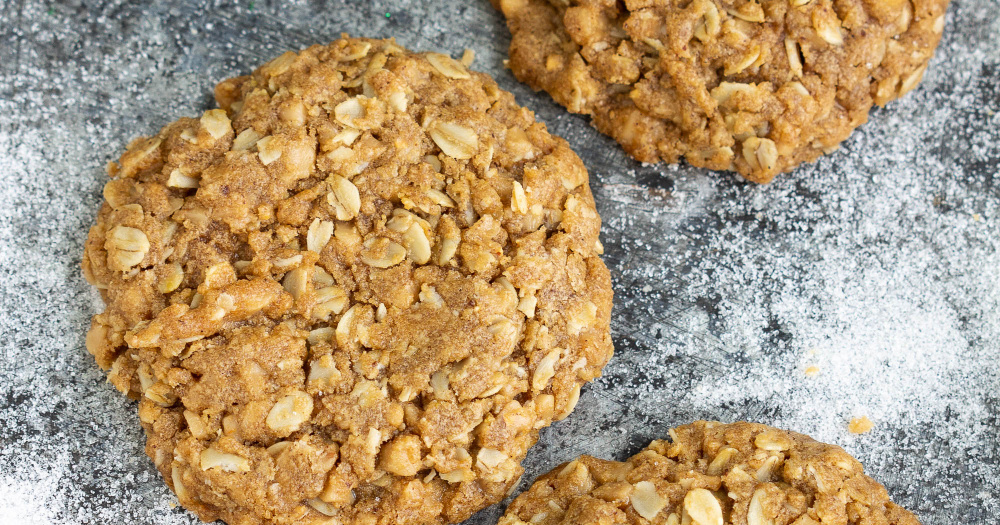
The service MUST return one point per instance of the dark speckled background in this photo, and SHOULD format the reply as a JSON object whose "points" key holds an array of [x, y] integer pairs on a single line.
{"points": [[879, 265]]}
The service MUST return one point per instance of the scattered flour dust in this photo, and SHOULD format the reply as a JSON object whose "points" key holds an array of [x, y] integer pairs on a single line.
{"points": [[20, 502], [28, 495]]}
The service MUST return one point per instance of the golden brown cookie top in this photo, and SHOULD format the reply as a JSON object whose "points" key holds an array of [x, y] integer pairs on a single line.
{"points": [[756, 87], [356, 291], [713, 474]]}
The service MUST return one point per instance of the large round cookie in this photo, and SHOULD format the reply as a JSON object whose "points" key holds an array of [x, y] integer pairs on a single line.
{"points": [[713, 474], [757, 87], [351, 295]]}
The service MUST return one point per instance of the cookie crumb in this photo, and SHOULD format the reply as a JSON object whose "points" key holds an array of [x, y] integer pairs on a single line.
{"points": [[468, 57], [860, 425], [812, 371]]}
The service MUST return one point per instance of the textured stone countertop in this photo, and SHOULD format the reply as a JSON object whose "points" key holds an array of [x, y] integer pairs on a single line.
{"points": [[879, 265]]}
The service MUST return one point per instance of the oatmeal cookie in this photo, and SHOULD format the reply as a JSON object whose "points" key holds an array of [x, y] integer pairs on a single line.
{"points": [[753, 86], [713, 474], [353, 294]]}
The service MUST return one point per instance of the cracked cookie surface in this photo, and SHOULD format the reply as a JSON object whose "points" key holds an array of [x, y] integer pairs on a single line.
{"points": [[756, 87], [713, 474], [353, 294]]}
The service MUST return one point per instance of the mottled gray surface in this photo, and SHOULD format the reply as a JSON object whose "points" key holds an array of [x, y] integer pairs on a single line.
{"points": [[880, 265]]}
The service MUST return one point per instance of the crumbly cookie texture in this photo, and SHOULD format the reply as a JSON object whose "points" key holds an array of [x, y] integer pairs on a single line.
{"points": [[354, 294], [757, 87], [713, 474]]}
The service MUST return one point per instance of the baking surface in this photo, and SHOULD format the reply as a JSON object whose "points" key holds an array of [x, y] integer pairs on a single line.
{"points": [[878, 267]]}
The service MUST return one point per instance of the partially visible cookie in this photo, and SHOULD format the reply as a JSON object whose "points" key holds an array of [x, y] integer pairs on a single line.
{"points": [[713, 474], [756, 86], [354, 294]]}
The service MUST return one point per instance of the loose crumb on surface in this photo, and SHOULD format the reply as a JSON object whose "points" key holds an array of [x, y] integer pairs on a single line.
{"points": [[860, 425]]}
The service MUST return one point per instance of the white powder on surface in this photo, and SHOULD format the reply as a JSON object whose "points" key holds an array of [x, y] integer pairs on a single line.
{"points": [[878, 265], [22, 502]]}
